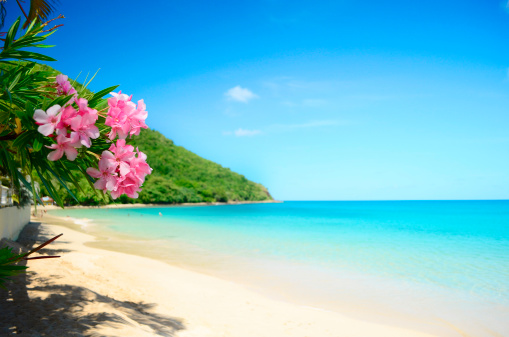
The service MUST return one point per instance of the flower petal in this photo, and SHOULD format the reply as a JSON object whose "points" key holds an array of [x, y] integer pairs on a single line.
{"points": [[111, 183], [107, 155], [53, 110], [115, 194], [100, 184], [124, 168], [85, 141], [46, 129], [93, 172], [76, 123], [93, 132], [55, 155], [71, 153], [40, 116]]}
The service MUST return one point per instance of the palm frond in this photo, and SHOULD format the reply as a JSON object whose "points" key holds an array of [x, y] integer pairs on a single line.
{"points": [[40, 9]]}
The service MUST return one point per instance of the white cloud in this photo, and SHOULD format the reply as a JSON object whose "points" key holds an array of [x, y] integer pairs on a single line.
{"points": [[240, 94], [240, 132], [243, 132], [246, 133]]}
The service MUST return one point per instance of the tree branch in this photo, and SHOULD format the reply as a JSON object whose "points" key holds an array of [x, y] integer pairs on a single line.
{"points": [[25, 14], [10, 136]]}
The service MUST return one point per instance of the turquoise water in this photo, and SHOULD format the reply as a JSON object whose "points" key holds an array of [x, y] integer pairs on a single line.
{"points": [[449, 254]]}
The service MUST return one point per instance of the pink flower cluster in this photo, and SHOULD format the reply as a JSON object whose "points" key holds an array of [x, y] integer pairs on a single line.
{"points": [[124, 117], [121, 170], [74, 128], [64, 87]]}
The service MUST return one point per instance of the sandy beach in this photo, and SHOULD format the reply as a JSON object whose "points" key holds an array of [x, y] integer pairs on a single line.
{"points": [[95, 292]]}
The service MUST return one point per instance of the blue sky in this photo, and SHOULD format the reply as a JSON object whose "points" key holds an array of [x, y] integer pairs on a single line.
{"points": [[317, 100]]}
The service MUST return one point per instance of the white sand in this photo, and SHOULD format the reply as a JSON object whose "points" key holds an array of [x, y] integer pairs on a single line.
{"points": [[96, 292]]}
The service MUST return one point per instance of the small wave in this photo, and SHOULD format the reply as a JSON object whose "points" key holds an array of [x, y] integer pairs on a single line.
{"points": [[84, 222]]}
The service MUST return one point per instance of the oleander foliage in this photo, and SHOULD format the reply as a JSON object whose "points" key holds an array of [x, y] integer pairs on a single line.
{"points": [[25, 87], [35, 103]]}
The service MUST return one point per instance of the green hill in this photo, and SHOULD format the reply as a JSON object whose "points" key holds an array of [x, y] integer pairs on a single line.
{"points": [[181, 176]]}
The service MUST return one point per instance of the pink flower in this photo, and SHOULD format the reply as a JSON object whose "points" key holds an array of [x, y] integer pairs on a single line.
{"points": [[124, 117], [68, 114], [139, 167], [64, 87], [121, 170], [120, 96], [107, 180], [126, 185], [117, 119], [119, 157], [137, 118], [85, 110], [130, 182], [84, 122], [85, 128], [64, 145], [48, 120]]}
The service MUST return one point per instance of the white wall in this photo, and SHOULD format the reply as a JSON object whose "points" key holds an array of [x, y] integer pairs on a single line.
{"points": [[5, 196], [12, 221]]}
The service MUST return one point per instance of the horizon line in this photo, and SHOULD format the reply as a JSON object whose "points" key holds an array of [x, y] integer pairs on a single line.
{"points": [[396, 200]]}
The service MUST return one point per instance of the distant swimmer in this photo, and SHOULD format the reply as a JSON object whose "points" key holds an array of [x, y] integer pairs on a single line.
{"points": [[160, 214]]}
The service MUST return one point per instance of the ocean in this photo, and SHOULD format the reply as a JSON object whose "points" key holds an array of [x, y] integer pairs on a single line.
{"points": [[439, 266]]}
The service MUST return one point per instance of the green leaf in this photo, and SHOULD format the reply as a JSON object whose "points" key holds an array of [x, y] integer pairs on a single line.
{"points": [[43, 45], [37, 145], [30, 27], [62, 183], [86, 85], [99, 95], [28, 185], [24, 55], [50, 33], [9, 163], [4, 115], [26, 41], [49, 188], [23, 139], [62, 100], [14, 81], [11, 34]]}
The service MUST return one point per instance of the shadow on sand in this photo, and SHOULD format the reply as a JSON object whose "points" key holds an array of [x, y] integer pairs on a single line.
{"points": [[58, 310]]}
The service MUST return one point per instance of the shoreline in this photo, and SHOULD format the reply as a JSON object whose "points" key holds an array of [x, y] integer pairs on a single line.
{"points": [[206, 305], [184, 204]]}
